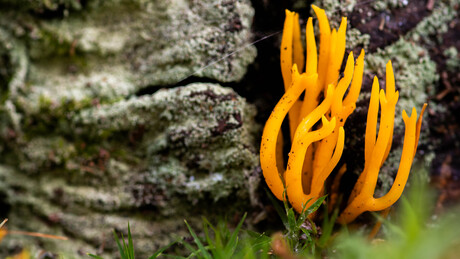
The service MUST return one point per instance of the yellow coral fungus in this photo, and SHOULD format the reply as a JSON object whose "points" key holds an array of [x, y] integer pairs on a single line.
{"points": [[304, 179], [317, 147], [376, 151]]}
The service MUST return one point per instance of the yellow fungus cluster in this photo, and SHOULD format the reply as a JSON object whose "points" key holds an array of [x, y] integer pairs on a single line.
{"points": [[377, 150], [317, 147]]}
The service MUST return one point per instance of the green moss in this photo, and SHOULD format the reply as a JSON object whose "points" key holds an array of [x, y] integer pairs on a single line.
{"points": [[415, 72]]}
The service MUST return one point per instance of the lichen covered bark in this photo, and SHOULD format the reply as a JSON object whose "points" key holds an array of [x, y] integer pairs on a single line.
{"points": [[89, 142], [156, 158], [106, 50]]}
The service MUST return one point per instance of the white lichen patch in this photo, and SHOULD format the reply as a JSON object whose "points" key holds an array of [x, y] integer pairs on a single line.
{"points": [[389, 4], [453, 61], [54, 88]]}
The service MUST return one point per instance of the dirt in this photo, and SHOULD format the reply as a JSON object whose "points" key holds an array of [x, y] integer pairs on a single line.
{"points": [[445, 128], [385, 27]]}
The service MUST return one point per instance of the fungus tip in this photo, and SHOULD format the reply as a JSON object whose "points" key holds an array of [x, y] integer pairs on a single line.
{"points": [[404, 115], [316, 8], [389, 64], [414, 112], [294, 68], [351, 55], [324, 120], [383, 98]]}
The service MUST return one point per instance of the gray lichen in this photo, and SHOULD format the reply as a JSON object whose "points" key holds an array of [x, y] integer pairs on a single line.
{"points": [[182, 149], [453, 61], [85, 145], [415, 72], [389, 4], [101, 52], [332, 7], [436, 23], [193, 143]]}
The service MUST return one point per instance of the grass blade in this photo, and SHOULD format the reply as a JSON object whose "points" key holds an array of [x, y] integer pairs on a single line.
{"points": [[303, 216], [281, 212], [314, 207], [125, 247], [217, 242], [175, 256], [188, 246], [161, 250], [130, 244], [260, 242], [201, 248], [328, 226], [120, 248], [233, 241]]}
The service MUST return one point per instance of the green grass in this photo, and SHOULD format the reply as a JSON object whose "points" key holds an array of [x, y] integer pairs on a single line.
{"points": [[220, 242], [126, 250], [411, 232]]}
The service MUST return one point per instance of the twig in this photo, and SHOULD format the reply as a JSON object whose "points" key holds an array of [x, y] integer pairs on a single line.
{"points": [[35, 234], [3, 223]]}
